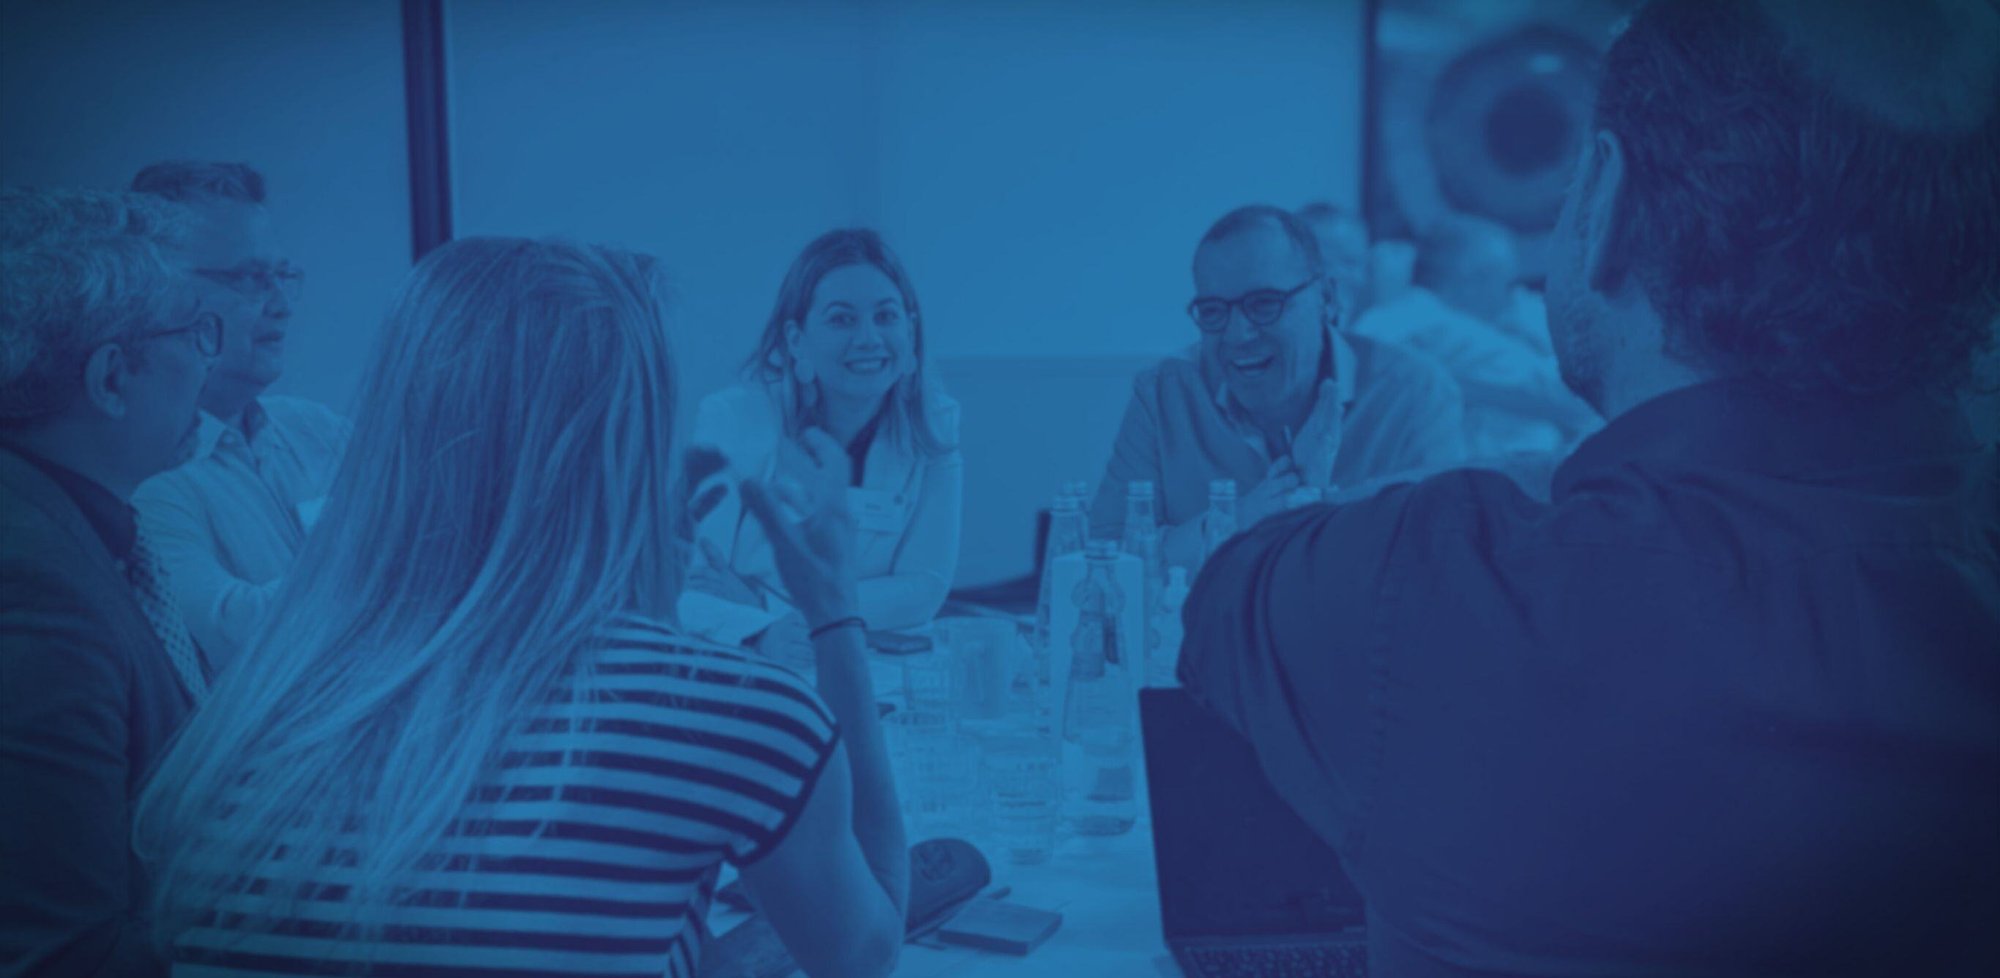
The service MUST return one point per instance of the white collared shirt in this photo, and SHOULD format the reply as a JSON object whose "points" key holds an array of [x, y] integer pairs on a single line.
{"points": [[229, 522], [1336, 357], [1182, 430]]}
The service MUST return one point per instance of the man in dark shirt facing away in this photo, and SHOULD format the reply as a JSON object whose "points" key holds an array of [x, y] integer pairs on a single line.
{"points": [[104, 345], [1729, 703]]}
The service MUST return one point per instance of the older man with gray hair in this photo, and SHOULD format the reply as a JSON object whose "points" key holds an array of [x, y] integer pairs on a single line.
{"points": [[229, 522], [104, 348], [1270, 395]]}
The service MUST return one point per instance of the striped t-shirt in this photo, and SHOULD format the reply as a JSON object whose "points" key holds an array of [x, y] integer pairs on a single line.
{"points": [[686, 755]]}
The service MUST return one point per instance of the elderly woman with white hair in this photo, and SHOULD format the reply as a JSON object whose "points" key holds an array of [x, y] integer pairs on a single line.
{"points": [[104, 345]]}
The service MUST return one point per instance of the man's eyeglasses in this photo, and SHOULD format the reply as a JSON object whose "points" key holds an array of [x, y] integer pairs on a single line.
{"points": [[256, 281], [1261, 307], [207, 330]]}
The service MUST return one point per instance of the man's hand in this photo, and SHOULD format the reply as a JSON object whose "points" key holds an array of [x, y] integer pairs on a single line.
{"points": [[1318, 440], [1270, 495]]}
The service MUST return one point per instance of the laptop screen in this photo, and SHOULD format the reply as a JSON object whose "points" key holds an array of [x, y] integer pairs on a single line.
{"points": [[1233, 859]]}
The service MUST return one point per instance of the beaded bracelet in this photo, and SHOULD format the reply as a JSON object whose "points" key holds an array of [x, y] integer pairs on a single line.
{"points": [[853, 620]]}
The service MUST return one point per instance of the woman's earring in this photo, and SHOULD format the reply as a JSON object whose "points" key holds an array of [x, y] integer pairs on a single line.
{"points": [[802, 378]]}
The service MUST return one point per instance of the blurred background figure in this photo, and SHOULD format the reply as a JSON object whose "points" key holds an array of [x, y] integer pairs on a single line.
{"points": [[843, 352], [104, 347], [472, 685], [230, 520], [1465, 309], [1344, 247]]}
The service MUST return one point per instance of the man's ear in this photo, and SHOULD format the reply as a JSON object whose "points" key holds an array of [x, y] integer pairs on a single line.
{"points": [[1601, 221], [105, 375]]}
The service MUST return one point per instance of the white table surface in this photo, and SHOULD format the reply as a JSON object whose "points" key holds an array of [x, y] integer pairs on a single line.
{"points": [[1104, 889]]}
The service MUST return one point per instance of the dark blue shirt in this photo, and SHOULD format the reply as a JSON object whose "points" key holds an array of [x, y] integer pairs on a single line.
{"points": [[1729, 703]]}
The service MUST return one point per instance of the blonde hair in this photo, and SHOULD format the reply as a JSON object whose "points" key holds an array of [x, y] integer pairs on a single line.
{"points": [[509, 488]]}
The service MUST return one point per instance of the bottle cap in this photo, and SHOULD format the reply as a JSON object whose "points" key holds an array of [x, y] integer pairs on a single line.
{"points": [[1140, 489], [1222, 488]]}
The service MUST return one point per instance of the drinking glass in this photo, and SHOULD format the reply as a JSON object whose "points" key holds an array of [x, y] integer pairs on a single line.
{"points": [[982, 653], [1023, 772], [928, 683], [936, 767]]}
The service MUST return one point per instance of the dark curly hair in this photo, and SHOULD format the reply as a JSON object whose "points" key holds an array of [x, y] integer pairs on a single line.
{"points": [[1797, 229]]}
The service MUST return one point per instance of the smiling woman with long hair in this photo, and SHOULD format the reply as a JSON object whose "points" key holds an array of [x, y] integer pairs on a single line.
{"points": [[470, 736], [842, 352]]}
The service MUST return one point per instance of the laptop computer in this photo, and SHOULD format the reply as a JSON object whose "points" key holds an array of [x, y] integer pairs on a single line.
{"points": [[1246, 889]]}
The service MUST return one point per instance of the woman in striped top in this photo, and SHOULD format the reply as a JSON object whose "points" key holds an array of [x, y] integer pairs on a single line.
{"points": [[469, 741]]}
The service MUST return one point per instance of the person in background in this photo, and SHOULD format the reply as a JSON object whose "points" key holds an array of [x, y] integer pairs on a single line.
{"points": [[1345, 248], [1461, 310], [471, 723], [104, 347], [1272, 395], [1729, 702], [229, 522], [843, 351]]}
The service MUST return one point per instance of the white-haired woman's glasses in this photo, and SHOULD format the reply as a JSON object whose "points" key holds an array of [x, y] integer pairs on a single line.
{"points": [[206, 329]]}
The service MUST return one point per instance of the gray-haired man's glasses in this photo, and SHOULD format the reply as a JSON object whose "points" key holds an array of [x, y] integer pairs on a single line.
{"points": [[207, 330], [257, 281], [1261, 307]]}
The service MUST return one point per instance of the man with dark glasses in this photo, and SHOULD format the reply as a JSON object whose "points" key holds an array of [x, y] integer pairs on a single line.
{"points": [[230, 521], [1272, 396]]}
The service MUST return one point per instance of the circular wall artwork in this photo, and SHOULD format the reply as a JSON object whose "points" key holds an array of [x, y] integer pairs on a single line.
{"points": [[1479, 108], [1503, 123]]}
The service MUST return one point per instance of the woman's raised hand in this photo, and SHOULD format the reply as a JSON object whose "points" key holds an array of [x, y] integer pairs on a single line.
{"points": [[815, 553]]}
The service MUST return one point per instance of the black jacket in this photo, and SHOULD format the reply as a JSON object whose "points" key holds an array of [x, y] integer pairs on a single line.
{"points": [[88, 701]]}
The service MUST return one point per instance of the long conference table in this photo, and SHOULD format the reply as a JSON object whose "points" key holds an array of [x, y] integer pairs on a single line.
{"points": [[1104, 888]]}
